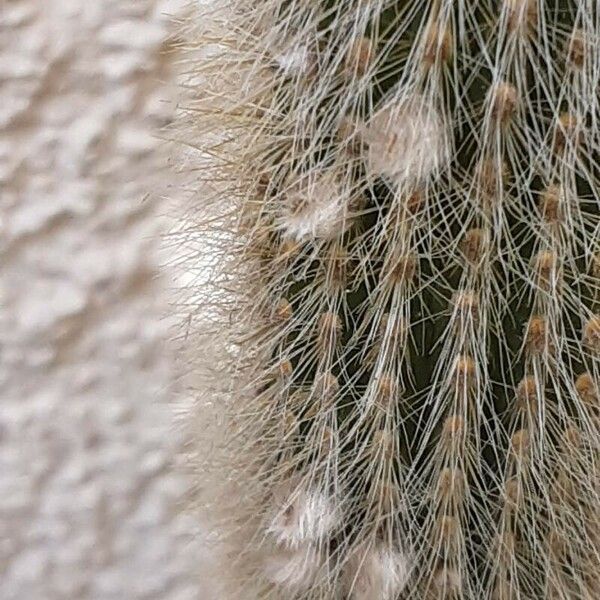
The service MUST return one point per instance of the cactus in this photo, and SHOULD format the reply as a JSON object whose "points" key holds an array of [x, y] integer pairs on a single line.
{"points": [[399, 319]]}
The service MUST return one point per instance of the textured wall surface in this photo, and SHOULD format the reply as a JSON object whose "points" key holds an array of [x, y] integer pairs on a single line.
{"points": [[87, 490]]}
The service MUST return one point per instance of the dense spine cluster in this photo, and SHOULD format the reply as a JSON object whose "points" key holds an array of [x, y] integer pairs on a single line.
{"points": [[400, 318]]}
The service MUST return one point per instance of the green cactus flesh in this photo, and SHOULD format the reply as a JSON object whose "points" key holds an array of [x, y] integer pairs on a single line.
{"points": [[411, 204]]}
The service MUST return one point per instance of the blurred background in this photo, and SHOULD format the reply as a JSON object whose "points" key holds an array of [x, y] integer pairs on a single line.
{"points": [[89, 496]]}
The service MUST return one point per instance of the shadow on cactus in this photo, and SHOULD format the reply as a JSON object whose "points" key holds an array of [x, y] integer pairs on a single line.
{"points": [[400, 327]]}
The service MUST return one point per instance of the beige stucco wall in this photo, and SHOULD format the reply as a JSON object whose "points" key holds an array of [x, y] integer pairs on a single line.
{"points": [[88, 493]]}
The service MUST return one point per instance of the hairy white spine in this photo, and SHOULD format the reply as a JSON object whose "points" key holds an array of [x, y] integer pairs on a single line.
{"points": [[402, 316]]}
